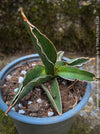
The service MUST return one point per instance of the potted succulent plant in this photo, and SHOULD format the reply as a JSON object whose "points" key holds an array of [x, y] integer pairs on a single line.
{"points": [[53, 69]]}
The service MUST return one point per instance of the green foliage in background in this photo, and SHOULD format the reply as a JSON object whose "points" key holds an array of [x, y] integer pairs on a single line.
{"points": [[70, 26]]}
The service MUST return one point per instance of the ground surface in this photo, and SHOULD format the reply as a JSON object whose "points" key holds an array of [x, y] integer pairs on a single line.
{"points": [[86, 122]]}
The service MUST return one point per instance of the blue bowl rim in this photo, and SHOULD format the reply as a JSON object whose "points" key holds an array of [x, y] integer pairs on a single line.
{"points": [[42, 120]]}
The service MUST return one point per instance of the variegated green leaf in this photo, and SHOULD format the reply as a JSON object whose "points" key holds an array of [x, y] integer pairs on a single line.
{"points": [[57, 96], [37, 71], [54, 96], [68, 72], [43, 45], [60, 55], [60, 63], [73, 62], [78, 61], [22, 91], [37, 81]]}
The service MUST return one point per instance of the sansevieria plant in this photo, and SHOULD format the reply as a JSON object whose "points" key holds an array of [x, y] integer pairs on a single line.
{"points": [[53, 68]]}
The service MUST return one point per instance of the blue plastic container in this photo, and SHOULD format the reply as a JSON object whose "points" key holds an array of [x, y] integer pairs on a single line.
{"points": [[47, 125]]}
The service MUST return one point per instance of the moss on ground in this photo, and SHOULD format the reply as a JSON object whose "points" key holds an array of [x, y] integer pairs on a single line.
{"points": [[6, 124], [80, 126]]}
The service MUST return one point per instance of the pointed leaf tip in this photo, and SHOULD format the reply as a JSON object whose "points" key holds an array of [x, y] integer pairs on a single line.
{"points": [[43, 46], [91, 59], [9, 108], [23, 15]]}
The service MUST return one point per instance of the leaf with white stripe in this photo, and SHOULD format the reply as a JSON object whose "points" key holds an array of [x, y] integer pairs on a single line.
{"points": [[22, 91], [72, 73], [78, 61], [60, 55], [54, 96], [43, 45]]}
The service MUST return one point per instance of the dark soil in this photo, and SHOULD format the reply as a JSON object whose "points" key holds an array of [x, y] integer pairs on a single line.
{"points": [[71, 93]]}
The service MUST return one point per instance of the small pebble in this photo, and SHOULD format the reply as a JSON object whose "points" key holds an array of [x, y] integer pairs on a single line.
{"points": [[46, 104], [20, 80], [23, 72], [4, 85], [50, 114], [39, 100], [13, 109], [38, 89], [21, 111], [15, 90], [91, 100], [33, 64], [8, 77], [8, 102], [29, 102], [63, 83], [19, 105]]}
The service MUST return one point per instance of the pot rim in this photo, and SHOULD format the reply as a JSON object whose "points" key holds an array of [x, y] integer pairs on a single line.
{"points": [[42, 120]]}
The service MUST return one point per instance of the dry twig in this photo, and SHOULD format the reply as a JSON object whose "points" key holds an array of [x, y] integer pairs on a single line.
{"points": [[72, 85], [76, 101]]}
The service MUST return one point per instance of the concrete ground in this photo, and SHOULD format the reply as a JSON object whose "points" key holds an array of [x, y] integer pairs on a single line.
{"points": [[88, 119]]}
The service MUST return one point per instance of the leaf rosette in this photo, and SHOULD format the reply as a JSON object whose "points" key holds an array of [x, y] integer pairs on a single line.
{"points": [[53, 68]]}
